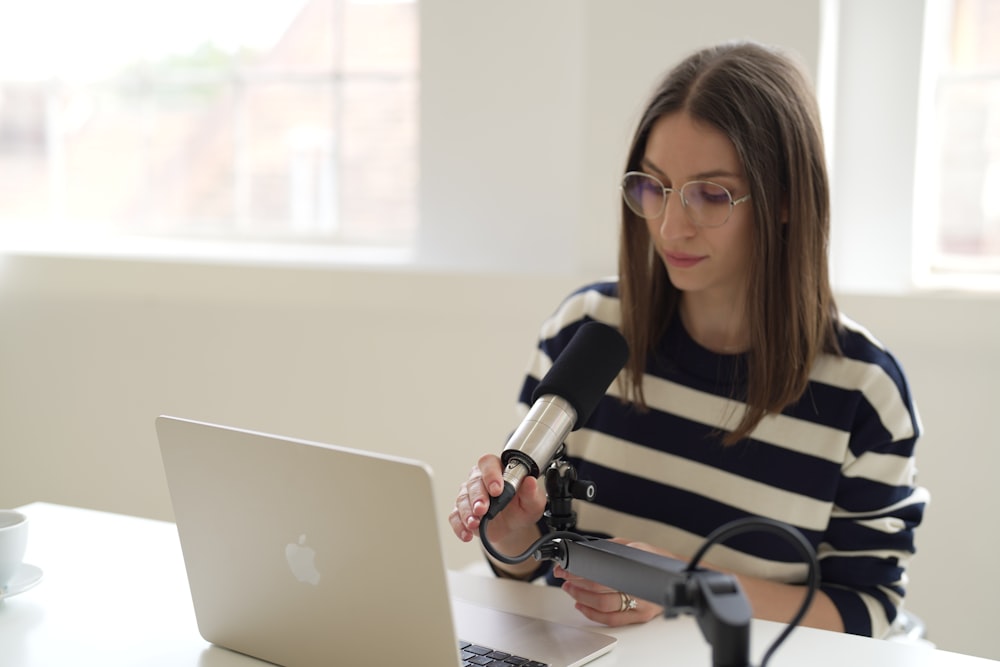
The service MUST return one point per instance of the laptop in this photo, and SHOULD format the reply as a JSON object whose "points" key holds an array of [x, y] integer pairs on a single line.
{"points": [[302, 554]]}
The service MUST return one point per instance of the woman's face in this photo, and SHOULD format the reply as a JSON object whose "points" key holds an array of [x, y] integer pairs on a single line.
{"points": [[709, 261]]}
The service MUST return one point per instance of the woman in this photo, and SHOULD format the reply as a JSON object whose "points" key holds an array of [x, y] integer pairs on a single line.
{"points": [[746, 393]]}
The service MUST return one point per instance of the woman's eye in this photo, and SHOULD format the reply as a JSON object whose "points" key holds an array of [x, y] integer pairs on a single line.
{"points": [[708, 193]]}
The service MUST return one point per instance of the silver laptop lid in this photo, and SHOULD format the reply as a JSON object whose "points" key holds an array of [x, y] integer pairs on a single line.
{"points": [[283, 566], [301, 553]]}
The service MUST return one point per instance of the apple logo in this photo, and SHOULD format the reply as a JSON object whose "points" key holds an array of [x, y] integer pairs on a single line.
{"points": [[302, 561]]}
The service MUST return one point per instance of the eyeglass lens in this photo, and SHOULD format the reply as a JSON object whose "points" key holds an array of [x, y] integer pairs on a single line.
{"points": [[707, 204]]}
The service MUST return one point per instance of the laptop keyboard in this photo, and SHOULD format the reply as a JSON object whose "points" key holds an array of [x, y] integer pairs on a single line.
{"points": [[482, 656]]}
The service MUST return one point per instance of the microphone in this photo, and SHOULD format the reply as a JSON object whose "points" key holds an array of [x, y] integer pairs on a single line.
{"points": [[562, 402]]}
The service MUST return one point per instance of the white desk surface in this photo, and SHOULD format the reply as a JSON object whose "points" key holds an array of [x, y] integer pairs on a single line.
{"points": [[115, 593]]}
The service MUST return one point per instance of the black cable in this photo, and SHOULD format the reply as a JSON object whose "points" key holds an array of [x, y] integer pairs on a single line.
{"points": [[797, 540], [514, 560]]}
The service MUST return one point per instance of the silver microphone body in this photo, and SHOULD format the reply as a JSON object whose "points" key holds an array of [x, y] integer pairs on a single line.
{"points": [[537, 438], [533, 445]]}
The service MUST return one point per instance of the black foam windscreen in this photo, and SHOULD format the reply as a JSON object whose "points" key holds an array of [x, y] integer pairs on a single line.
{"points": [[585, 369]]}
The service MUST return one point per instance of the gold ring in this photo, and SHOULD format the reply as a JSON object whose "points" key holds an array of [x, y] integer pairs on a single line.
{"points": [[629, 603]]}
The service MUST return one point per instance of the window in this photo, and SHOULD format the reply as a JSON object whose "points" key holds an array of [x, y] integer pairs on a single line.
{"points": [[276, 120], [907, 165], [958, 182]]}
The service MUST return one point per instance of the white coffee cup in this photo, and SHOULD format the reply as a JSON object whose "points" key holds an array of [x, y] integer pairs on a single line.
{"points": [[13, 542]]}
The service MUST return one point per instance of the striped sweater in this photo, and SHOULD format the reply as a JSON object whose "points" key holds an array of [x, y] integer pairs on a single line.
{"points": [[838, 465]]}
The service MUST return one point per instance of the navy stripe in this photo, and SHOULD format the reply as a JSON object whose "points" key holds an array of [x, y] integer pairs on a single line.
{"points": [[843, 533], [855, 569], [827, 405], [688, 511], [755, 460], [867, 429], [852, 610], [858, 494]]}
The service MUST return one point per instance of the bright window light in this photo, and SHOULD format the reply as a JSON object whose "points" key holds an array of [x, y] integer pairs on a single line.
{"points": [[958, 176], [219, 120]]}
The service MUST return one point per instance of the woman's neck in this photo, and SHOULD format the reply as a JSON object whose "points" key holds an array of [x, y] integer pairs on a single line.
{"points": [[715, 324]]}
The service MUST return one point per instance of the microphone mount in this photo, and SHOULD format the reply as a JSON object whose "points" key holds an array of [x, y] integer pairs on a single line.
{"points": [[562, 486], [713, 598]]}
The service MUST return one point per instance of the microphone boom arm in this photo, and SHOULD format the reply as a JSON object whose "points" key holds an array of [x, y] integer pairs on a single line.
{"points": [[715, 599]]}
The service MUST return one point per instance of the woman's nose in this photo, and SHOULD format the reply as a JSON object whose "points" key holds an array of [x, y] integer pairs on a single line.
{"points": [[675, 222]]}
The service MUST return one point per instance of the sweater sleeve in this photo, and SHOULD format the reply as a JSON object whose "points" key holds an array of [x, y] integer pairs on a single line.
{"points": [[870, 538]]}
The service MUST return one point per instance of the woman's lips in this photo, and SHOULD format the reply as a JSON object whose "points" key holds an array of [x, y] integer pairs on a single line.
{"points": [[682, 260]]}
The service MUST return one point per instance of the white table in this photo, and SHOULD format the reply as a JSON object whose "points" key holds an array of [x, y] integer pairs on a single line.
{"points": [[115, 592]]}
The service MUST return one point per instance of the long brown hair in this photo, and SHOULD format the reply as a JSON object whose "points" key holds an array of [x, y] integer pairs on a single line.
{"points": [[761, 100]]}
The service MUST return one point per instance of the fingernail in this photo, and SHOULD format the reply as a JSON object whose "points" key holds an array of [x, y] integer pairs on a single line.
{"points": [[496, 488]]}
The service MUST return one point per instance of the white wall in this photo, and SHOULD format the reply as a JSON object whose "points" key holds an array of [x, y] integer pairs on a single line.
{"points": [[92, 351], [526, 109], [871, 128]]}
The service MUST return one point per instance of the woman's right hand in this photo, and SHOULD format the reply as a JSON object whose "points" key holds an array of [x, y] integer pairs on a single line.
{"points": [[515, 523]]}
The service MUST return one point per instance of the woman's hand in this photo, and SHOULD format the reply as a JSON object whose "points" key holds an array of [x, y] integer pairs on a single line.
{"points": [[514, 524], [770, 600], [606, 605]]}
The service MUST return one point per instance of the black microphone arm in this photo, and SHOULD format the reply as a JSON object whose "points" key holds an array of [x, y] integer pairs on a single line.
{"points": [[715, 599]]}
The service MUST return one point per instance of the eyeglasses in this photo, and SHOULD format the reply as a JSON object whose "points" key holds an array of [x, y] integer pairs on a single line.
{"points": [[707, 204]]}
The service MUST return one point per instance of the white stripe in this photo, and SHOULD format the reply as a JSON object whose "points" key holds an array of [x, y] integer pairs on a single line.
{"points": [[588, 303], [890, 525], [827, 551], [885, 468], [697, 406], [804, 437], [797, 435], [876, 386], [917, 496], [876, 614], [880, 624], [855, 326], [704, 480]]}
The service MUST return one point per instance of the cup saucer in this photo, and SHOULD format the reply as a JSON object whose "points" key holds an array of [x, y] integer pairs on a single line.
{"points": [[26, 577]]}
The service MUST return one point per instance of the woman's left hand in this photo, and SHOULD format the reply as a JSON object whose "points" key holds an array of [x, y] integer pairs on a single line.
{"points": [[606, 605]]}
